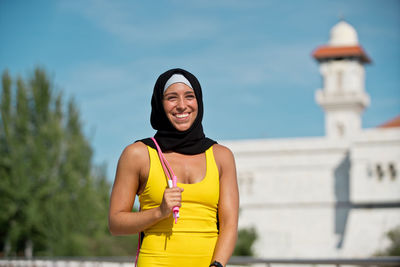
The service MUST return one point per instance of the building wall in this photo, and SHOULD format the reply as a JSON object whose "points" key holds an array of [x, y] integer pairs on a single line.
{"points": [[376, 166], [307, 197]]}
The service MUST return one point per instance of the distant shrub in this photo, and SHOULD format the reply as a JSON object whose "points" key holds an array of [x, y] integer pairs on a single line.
{"points": [[245, 242], [394, 247]]}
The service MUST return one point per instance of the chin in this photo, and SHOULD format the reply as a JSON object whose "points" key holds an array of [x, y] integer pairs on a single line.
{"points": [[182, 129]]}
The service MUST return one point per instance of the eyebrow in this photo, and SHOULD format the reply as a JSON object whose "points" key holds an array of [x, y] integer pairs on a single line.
{"points": [[175, 93]]}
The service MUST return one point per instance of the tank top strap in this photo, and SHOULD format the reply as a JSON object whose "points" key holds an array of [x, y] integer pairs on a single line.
{"points": [[212, 168]]}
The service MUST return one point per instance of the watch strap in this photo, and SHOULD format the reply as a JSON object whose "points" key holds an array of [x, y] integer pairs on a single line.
{"points": [[216, 263]]}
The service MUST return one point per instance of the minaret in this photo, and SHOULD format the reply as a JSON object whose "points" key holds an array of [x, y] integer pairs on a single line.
{"points": [[343, 95]]}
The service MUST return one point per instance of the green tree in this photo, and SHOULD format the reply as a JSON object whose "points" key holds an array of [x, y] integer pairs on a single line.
{"points": [[244, 244], [394, 247], [53, 199]]}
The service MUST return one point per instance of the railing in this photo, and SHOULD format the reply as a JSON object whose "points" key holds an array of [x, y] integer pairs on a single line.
{"points": [[234, 261], [378, 261]]}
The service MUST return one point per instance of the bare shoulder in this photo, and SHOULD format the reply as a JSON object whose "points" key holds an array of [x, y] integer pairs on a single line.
{"points": [[224, 158], [136, 152], [221, 151]]}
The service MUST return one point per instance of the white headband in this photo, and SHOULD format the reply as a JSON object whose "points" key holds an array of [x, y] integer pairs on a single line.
{"points": [[177, 78]]}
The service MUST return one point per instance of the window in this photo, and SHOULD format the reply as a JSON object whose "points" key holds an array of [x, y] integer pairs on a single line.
{"points": [[340, 129], [379, 172], [392, 171], [340, 81]]}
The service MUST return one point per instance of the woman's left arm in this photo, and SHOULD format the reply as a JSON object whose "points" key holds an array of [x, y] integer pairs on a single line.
{"points": [[228, 207]]}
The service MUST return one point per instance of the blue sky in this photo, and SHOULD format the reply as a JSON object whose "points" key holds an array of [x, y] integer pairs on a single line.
{"points": [[253, 60]]}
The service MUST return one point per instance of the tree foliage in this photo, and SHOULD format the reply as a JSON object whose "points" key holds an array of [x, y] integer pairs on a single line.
{"points": [[394, 248], [53, 199], [244, 244]]}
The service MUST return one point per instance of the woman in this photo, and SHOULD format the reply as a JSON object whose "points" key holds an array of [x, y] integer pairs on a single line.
{"points": [[206, 193]]}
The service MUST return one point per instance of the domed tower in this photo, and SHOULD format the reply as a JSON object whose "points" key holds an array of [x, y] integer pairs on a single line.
{"points": [[343, 95]]}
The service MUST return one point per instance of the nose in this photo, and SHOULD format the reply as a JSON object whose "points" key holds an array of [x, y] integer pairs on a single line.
{"points": [[181, 105]]}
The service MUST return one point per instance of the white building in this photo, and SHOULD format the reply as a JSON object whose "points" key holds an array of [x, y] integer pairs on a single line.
{"points": [[331, 196]]}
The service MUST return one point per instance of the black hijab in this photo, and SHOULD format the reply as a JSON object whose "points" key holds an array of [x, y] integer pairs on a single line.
{"points": [[191, 141]]}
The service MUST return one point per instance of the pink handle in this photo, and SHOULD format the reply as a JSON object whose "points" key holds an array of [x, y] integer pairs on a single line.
{"points": [[169, 172], [175, 209]]}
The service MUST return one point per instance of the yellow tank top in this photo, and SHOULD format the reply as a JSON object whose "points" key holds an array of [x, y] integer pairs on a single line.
{"points": [[198, 213]]}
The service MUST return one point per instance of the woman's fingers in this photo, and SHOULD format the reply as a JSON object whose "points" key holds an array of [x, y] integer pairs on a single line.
{"points": [[172, 198]]}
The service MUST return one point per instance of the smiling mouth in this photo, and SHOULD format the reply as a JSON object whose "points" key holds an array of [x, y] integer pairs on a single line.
{"points": [[182, 115]]}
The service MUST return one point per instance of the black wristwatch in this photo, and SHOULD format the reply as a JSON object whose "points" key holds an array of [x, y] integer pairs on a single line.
{"points": [[216, 263]]}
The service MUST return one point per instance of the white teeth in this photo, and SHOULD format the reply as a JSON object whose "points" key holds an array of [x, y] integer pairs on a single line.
{"points": [[182, 115]]}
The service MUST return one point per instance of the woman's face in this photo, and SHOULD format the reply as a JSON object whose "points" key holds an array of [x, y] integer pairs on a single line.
{"points": [[180, 106]]}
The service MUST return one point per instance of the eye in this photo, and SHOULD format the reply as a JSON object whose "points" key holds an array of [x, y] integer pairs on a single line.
{"points": [[190, 96], [170, 97]]}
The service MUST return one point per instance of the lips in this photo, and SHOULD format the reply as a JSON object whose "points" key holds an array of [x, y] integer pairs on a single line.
{"points": [[182, 115]]}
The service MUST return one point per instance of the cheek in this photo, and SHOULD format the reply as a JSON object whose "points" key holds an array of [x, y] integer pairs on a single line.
{"points": [[195, 105], [166, 106], [196, 108]]}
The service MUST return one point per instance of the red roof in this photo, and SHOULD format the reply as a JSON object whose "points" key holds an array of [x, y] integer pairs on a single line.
{"points": [[392, 123], [325, 52]]}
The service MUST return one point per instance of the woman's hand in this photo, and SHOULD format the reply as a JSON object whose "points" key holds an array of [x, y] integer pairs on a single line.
{"points": [[172, 198]]}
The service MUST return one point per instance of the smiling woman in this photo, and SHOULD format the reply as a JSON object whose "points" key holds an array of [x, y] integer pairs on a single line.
{"points": [[180, 105], [205, 190]]}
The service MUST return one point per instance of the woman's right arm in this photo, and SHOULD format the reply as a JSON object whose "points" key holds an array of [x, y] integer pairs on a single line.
{"points": [[133, 165]]}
